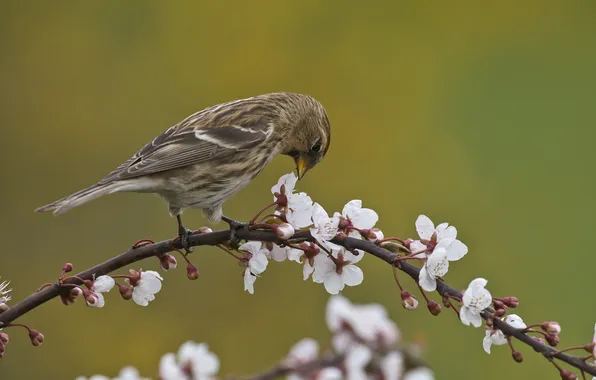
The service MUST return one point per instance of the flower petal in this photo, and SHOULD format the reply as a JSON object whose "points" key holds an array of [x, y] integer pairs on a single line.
{"points": [[103, 284], [333, 283], [425, 227], [351, 208], [352, 275], [249, 281], [426, 281], [365, 219]]}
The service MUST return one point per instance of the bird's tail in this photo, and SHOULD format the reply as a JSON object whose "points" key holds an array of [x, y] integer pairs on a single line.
{"points": [[62, 205]]}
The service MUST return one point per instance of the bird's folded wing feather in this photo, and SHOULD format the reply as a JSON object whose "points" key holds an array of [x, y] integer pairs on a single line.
{"points": [[178, 147]]}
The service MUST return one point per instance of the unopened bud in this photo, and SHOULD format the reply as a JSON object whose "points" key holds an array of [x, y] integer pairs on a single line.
{"points": [[36, 337], [552, 327], [408, 301], [552, 340], [511, 301], [125, 291], [446, 300], [167, 262], [71, 296], [4, 338], [517, 356], [408, 242], [133, 278], [67, 268], [91, 298], [539, 339], [434, 308], [192, 272], [204, 230], [284, 231], [567, 375], [499, 305], [500, 312], [3, 307]]}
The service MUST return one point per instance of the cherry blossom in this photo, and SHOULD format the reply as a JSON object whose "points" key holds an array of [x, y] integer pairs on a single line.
{"points": [[126, 373], [356, 217], [169, 368], [145, 287], [298, 207], [306, 350], [496, 336], [431, 237], [102, 284], [358, 356], [419, 373], [325, 228], [203, 364], [475, 299], [277, 253], [392, 365], [257, 263], [337, 271], [437, 263]]}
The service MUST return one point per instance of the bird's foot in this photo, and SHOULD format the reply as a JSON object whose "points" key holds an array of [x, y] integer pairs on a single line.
{"points": [[184, 236], [234, 227]]}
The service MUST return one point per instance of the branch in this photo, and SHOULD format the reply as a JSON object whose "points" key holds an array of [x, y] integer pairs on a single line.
{"points": [[213, 238]]}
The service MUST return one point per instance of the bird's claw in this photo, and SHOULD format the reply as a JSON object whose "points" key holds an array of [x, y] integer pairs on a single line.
{"points": [[184, 236], [234, 227]]}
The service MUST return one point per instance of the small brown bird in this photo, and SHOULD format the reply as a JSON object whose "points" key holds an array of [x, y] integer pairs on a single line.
{"points": [[211, 155]]}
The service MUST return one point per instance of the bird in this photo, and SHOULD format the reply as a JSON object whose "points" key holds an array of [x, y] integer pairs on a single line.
{"points": [[211, 155]]}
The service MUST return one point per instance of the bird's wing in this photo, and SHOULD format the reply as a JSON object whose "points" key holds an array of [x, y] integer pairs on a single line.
{"points": [[184, 145]]}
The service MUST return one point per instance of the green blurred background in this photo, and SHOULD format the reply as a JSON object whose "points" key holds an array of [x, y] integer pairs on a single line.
{"points": [[481, 115]]}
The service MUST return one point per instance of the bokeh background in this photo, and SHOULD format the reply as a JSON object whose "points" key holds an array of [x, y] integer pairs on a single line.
{"points": [[481, 115]]}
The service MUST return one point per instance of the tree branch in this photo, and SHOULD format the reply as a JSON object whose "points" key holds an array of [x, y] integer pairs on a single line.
{"points": [[157, 249]]}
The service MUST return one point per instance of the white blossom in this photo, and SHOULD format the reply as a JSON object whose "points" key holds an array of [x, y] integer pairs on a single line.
{"points": [[336, 276], [169, 369], [360, 218], [368, 322], [300, 205], [146, 287], [392, 365], [330, 373], [305, 351], [427, 232], [278, 253], [203, 363], [420, 373], [126, 373], [437, 263], [249, 281], [496, 336], [475, 299], [258, 260], [102, 284], [357, 358], [325, 228]]}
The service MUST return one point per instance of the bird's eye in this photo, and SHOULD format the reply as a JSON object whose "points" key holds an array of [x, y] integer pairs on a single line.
{"points": [[316, 147]]}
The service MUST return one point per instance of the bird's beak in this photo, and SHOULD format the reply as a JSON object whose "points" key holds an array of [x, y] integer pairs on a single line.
{"points": [[303, 163]]}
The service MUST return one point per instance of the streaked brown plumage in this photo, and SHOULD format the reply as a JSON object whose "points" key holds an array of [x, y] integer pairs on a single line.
{"points": [[211, 155]]}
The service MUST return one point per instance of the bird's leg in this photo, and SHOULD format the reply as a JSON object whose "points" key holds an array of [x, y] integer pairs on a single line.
{"points": [[234, 226], [184, 233]]}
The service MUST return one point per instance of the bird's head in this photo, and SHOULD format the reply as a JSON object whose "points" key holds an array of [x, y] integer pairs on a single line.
{"points": [[309, 140]]}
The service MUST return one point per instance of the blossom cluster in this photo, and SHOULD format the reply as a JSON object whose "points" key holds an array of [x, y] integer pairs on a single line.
{"points": [[363, 348], [324, 261]]}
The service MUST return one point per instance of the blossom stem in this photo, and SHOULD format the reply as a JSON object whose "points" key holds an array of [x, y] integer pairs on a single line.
{"points": [[275, 216], [423, 292], [584, 347], [402, 242], [452, 306], [253, 220], [75, 277], [225, 250], [11, 324], [394, 267]]}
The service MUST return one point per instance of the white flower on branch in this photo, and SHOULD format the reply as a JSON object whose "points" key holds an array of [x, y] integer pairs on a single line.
{"points": [[299, 256], [126, 373], [257, 263], [431, 237], [392, 365], [299, 205], [420, 373], [337, 271], [364, 323], [4, 297], [476, 298], [437, 263], [305, 351], [330, 373], [277, 253], [325, 228], [357, 217], [194, 362], [496, 336], [102, 284], [145, 287]]}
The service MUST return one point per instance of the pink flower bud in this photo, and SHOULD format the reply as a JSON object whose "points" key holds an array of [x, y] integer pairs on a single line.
{"points": [[192, 272], [4, 338], [552, 340], [70, 297], [517, 356], [408, 242], [90, 298], [434, 308], [511, 301], [36, 337], [134, 277], [567, 375], [167, 262], [499, 305], [67, 268], [553, 327], [500, 312], [125, 291], [284, 231], [539, 340], [408, 301]]}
